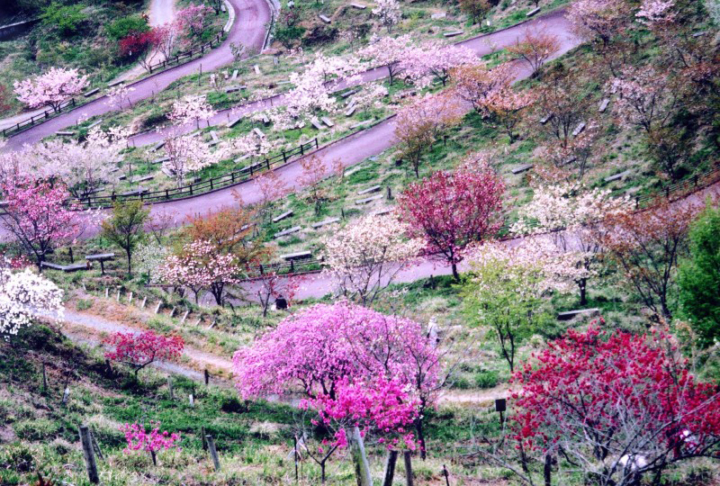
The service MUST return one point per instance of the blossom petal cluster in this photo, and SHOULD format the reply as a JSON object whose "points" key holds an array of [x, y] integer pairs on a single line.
{"points": [[139, 440], [23, 296], [52, 88]]}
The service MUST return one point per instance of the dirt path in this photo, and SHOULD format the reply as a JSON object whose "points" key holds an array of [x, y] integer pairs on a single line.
{"points": [[252, 16]]}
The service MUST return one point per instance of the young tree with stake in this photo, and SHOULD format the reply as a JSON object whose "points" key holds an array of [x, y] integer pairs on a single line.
{"points": [[125, 228]]}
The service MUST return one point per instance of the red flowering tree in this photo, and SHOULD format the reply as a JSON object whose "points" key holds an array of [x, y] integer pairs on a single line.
{"points": [[452, 210], [139, 440], [617, 406], [142, 349], [314, 351], [143, 45], [37, 216]]}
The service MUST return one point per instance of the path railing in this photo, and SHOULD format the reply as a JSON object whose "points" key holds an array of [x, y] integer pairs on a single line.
{"points": [[173, 60], [205, 186], [39, 118]]}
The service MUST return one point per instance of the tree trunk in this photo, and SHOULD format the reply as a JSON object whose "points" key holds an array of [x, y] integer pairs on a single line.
{"points": [[421, 437], [407, 456], [583, 291], [322, 472], [360, 462], [547, 470], [456, 274], [129, 259]]}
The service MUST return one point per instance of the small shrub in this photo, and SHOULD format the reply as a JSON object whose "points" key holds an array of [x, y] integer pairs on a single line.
{"points": [[486, 379], [461, 383], [289, 36], [84, 304], [36, 430], [66, 19], [122, 28]]}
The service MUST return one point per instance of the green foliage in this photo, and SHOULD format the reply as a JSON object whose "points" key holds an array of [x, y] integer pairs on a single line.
{"points": [[125, 227], [486, 379], [506, 299], [288, 36], [699, 277], [66, 19], [121, 28]]}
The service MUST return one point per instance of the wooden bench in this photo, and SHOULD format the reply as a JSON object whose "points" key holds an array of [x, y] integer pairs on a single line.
{"points": [[288, 231], [579, 129], [75, 267], [300, 255], [522, 168], [566, 316], [369, 190], [102, 258], [453, 34], [368, 200], [91, 92], [617, 177], [284, 215], [325, 18], [533, 12], [325, 222]]}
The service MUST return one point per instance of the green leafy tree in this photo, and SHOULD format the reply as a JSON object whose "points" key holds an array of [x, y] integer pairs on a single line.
{"points": [[505, 298], [67, 19], [121, 28], [699, 277], [125, 227]]}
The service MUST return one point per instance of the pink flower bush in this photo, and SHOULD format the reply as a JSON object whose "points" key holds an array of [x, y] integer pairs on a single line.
{"points": [[140, 440], [141, 349], [380, 405]]}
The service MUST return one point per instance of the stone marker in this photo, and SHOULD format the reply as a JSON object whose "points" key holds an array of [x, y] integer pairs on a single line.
{"points": [[257, 70], [234, 75]]}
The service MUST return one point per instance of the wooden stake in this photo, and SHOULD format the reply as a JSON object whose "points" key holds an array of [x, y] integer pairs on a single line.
{"points": [[213, 452], [204, 439], [407, 457], [96, 446], [89, 454], [44, 378], [170, 388], [390, 468], [446, 474], [207, 377]]}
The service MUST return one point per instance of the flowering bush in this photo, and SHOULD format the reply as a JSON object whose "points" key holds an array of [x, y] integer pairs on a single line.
{"points": [[140, 440], [141, 349], [23, 295]]}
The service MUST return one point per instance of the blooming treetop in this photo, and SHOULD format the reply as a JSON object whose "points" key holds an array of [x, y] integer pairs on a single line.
{"points": [[315, 349], [37, 216], [644, 98], [433, 59], [52, 88], [622, 404], [655, 11], [139, 440], [119, 94], [452, 210], [387, 51], [141, 349], [388, 11], [191, 18], [191, 109], [199, 266], [186, 153], [23, 295], [378, 405], [366, 255], [598, 18]]}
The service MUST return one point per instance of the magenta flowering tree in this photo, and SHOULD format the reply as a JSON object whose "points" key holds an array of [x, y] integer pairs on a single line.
{"points": [[154, 440], [37, 215], [452, 210], [50, 89], [316, 350], [379, 406]]}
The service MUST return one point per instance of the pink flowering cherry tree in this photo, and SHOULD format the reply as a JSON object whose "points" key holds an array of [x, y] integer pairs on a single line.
{"points": [[191, 109], [138, 439], [316, 350], [51, 89], [142, 349], [37, 215], [434, 60], [387, 52], [451, 210]]}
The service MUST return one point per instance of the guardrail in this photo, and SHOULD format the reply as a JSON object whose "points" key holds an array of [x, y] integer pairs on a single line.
{"points": [[44, 116], [203, 187], [217, 40]]}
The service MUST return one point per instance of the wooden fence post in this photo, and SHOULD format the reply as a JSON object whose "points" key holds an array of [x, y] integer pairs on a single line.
{"points": [[446, 474], [390, 468], [170, 388], [44, 374], [362, 468], [407, 457], [213, 452], [89, 454], [207, 377]]}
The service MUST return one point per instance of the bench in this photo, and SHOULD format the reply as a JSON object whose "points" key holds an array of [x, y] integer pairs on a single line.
{"points": [[67, 133], [316, 123], [284, 215], [358, 6], [350, 111], [453, 34], [368, 200], [288, 231], [579, 129], [232, 123], [522, 168], [91, 92], [361, 124], [232, 89], [566, 316], [142, 178], [116, 83], [533, 12], [300, 255], [325, 222], [94, 124], [75, 267], [369, 190], [135, 192], [325, 18], [603, 105], [249, 168], [102, 258], [160, 160], [617, 177], [546, 119], [438, 15], [383, 212], [327, 121], [258, 132], [158, 146], [348, 94]]}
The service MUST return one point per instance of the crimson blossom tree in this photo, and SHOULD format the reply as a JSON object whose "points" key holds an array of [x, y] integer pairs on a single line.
{"points": [[618, 407], [452, 210], [37, 216], [52, 88], [142, 349], [315, 350]]}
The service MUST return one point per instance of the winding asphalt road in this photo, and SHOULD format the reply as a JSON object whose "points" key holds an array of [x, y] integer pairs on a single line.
{"points": [[251, 18]]}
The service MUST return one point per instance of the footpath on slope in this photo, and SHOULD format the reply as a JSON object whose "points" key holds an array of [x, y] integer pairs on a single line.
{"points": [[251, 17]]}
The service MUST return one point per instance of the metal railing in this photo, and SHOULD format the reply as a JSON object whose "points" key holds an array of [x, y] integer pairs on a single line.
{"points": [[173, 60], [39, 118], [202, 187]]}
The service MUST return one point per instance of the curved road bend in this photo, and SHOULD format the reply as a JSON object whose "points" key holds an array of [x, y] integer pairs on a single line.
{"points": [[251, 16], [554, 22], [317, 285]]}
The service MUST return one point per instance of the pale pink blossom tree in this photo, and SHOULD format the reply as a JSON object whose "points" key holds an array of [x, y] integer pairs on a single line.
{"points": [[601, 19], [367, 255], [433, 60], [190, 19], [51, 89], [191, 109], [388, 12], [199, 266], [387, 52], [186, 153]]}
